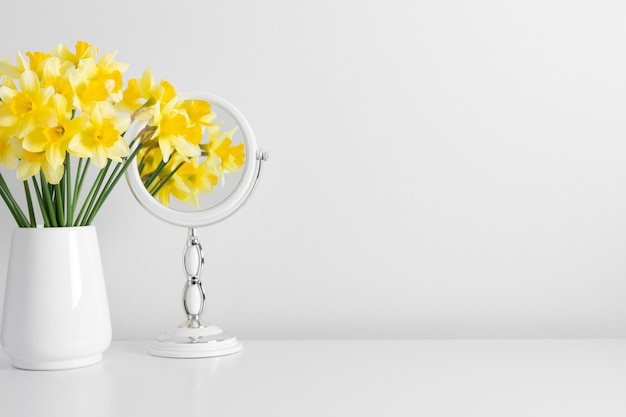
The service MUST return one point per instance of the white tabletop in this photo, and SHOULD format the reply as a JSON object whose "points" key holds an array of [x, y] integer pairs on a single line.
{"points": [[336, 378]]}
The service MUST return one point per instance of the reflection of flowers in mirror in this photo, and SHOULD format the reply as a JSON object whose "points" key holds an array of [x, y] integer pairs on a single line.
{"points": [[187, 154], [63, 111]]}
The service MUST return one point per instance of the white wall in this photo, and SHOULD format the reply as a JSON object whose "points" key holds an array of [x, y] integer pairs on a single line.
{"points": [[438, 168]]}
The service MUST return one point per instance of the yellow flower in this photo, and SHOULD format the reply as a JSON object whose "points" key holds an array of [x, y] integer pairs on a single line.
{"points": [[199, 112], [131, 99], [222, 156], [187, 184], [140, 92], [27, 109], [14, 71], [110, 74], [143, 93], [8, 150], [164, 193], [32, 162], [174, 132], [86, 91], [94, 82], [55, 74], [232, 157], [36, 60], [192, 179], [101, 138], [54, 138], [83, 50]]}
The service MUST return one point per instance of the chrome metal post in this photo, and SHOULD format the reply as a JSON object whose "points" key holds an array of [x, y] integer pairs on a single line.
{"points": [[193, 293]]}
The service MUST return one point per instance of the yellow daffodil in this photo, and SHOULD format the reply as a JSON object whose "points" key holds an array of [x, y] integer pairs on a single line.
{"points": [[174, 132], [163, 194], [101, 138], [110, 74], [83, 50], [55, 74], [94, 82], [199, 112], [36, 60], [32, 162], [54, 138], [25, 110], [8, 120], [222, 156], [9, 83], [191, 180], [232, 157], [8, 150], [141, 92], [11, 70]]}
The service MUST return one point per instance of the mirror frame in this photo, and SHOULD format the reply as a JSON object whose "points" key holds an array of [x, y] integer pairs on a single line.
{"points": [[224, 208]]}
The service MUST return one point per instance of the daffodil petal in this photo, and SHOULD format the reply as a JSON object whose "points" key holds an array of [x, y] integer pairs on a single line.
{"points": [[29, 82], [55, 154]]}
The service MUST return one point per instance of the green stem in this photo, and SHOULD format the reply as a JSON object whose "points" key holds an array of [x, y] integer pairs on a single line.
{"points": [[68, 190], [165, 180], [99, 200], [155, 174], [80, 178], [12, 205], [45, 187], [142, 162], [29, 202], [21, 222], [59, 198], [90, 200], [44, 213], [111, 183]]}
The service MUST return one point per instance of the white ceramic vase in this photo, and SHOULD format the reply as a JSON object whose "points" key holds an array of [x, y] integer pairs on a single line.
{"points": [[56, 313]]}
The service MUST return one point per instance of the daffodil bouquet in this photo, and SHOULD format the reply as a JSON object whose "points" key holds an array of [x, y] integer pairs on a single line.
{"points": [[64, 111]]}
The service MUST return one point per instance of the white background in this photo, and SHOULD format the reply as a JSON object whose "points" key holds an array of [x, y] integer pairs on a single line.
{"points": [[438, 168]]}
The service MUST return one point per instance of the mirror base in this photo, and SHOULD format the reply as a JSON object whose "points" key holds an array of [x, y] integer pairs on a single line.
{"points": [[194, 340]]}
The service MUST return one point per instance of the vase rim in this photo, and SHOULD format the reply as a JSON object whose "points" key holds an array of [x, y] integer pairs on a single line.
{"points": [[42, 227]]}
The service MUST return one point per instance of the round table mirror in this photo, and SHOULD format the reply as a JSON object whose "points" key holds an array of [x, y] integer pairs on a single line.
{"points": [[199, 162]]}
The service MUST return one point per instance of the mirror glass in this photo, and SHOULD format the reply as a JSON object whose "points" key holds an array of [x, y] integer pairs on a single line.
{"points": [[198, 161]]}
